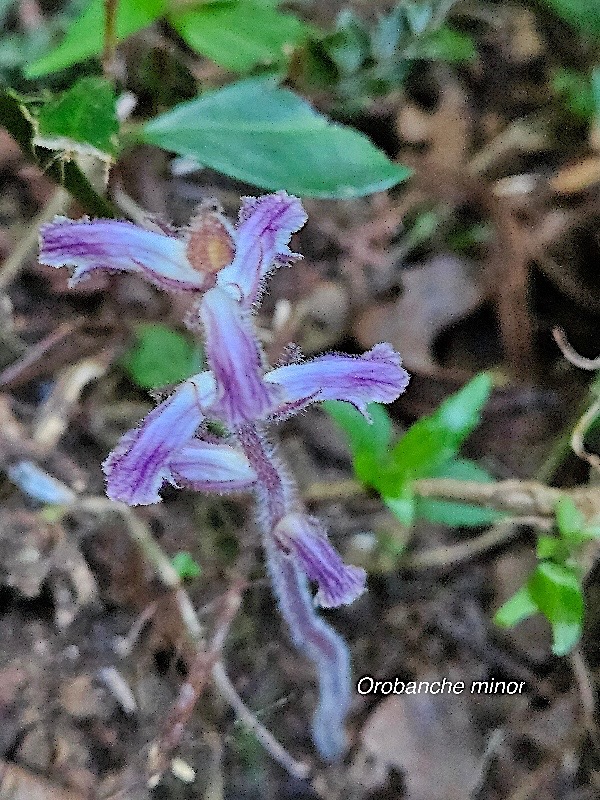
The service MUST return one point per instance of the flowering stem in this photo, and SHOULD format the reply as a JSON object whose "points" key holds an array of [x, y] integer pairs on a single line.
{"points": [[110, 39], [327, 650]]}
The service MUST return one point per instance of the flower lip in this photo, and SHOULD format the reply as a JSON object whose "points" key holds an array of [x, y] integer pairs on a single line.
{"points": [[115, 245]]}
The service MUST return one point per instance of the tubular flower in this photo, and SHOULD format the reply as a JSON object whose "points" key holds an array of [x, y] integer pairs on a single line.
{"points": [[226, 268]]}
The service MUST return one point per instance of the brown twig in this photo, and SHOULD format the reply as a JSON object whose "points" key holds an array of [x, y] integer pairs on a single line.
{"points": [[34, 353], [26, 246], [109, 66], [578, 436], [198, 678], [207, 660], [450, 555]]}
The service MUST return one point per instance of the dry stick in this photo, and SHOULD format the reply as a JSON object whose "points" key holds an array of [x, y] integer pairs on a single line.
{"points": [[197, 680], [36, 351], [527, 498], [578, 436], [109, 66], [25, 247], [501, 533], [295, 768], [141, 534]]}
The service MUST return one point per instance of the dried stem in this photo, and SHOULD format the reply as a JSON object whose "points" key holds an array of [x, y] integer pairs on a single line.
{"points": [[571, 354], [207, 660], [25, 247], [226, 688], [198, 678], [109, 66], [450, 555]]}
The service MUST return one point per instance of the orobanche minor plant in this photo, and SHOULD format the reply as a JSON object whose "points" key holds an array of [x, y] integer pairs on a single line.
{"points": [[226, 268]]}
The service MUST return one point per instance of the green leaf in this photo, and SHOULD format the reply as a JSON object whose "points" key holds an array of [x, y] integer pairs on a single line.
{"points": [[403, 507], [85, 37], [161, 356], [435, 439], [569, 519], [240, 34], [556, 591], [564, 637], [576, 90], [186, 566], [348, 47], [517, 608], [256, 132], [458, 515], [443, 44], [81, 118], [581, 14], [549, 547], [368, 441], [17, 120]]}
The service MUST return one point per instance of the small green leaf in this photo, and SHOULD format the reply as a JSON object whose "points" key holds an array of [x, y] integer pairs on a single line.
{"points": [[403, 507], [161, 356], [185, 566], [256, 132], [575, 89], [443, 44], [555, 589], [240, 35], [569, 520], [348, 46], [368, 442], [517, 608], [581, 14], [458, 515], [17, 119], [81, 118], [564, 637], [85, 37], [435, 439], [549, 547]]}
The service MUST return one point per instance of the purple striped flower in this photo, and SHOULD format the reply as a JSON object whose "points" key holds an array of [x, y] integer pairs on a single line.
{"points": [[227, 268]]}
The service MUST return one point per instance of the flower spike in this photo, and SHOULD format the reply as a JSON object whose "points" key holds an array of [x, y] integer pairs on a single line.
{"points": [[227, 268]]}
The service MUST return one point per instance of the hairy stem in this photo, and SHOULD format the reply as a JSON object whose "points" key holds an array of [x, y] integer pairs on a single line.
{"points": [[277, 497]]}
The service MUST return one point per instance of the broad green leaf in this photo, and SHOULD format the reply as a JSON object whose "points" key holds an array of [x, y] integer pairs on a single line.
{"points": [[85, 37], [161, 356], [458, 514], [368, 441], [517, 608], [435, 439], [555, 590], [256, 132], [81, 118], [186, 566], [240, 34], [581, 14]]}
